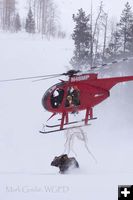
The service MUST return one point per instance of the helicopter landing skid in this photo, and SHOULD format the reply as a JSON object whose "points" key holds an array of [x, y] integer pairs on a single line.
{"points": [[75, 122], [66, 128], [57, 130]]}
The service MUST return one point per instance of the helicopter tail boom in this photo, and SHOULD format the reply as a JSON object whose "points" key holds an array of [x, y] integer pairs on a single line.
{"points": [[108, 83]]}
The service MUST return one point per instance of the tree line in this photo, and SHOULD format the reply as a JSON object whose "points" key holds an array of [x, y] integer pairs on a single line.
{"points": [[99, 41], [41, 18]]}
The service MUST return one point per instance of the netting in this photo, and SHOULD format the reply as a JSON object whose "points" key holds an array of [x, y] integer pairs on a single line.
{"points": [[71, 135]]}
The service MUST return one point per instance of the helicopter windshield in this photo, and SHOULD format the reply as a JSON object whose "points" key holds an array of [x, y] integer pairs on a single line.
{"points": [[57, 97]]}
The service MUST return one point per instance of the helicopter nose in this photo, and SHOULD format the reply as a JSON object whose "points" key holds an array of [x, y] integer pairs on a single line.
{"points": [[45, 101]]}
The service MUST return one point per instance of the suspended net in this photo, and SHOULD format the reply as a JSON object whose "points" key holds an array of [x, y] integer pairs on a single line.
{"points": [[79, 134]]}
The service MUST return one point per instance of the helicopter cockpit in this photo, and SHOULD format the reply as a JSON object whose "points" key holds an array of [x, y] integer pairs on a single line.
{"points": [[57, 97]]}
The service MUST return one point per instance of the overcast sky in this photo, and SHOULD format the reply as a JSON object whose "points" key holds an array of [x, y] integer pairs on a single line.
{"points": [[68, 7]]}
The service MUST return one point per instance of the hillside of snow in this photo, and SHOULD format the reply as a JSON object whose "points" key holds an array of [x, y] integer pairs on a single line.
{"points": [[25, 171]]}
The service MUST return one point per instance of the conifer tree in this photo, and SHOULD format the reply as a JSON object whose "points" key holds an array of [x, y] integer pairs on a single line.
{"points": [[30, 23], [113, 48], [17, 23], [126, 21], [130, 40], [82, 40]]}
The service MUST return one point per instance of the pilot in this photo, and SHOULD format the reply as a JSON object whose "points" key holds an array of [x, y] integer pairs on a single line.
{"points": [[56, 97]]}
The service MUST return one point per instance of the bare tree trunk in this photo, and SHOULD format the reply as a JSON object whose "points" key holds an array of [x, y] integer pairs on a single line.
{"points": [[97, 19], [39, 16], [44, 16], [91, 51], [1, 14], [105, 36], [96, 48], [125, 40], [8, 14], [94, 32]]}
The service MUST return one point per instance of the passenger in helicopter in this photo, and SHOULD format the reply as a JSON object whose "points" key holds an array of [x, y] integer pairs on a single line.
{"points": [[75, 96], [69, 102], [72, 99]]}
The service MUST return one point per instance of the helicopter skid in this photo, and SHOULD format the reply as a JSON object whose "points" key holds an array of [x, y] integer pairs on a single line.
{"points": [[57, 130], [66, 128], [75, 122]]}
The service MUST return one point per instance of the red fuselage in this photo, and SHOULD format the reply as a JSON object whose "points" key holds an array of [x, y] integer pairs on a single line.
{"points": [[92, 91]]}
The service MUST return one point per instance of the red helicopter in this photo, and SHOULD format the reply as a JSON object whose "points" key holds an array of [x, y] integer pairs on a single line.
{"points": [[82, 91]]}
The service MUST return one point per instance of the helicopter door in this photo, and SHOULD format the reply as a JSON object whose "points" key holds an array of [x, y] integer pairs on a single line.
{"points": [[57, 97]]}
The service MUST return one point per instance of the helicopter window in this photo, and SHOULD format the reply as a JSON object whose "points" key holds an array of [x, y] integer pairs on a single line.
{"points": [[57, 97], [72, 98]]}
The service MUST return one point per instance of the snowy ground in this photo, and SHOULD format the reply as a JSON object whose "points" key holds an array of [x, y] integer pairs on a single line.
{"points": [[25, 171]]}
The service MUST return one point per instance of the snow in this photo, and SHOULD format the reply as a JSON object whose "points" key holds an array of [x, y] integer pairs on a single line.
{"points": [[25, 171]]}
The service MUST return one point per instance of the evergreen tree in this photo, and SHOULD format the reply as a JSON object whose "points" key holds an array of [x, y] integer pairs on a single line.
{"points": [[113, 49], [30, 23], [82, 40], [126, 21], [17, 23], [130, 40]]}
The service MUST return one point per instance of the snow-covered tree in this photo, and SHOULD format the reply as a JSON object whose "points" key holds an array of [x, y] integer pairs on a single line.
{"points": [[130, 40], [17, 23], [114, 45], [30, 23], [8, 13], [82, 40], [126, 21], [45, 14]]}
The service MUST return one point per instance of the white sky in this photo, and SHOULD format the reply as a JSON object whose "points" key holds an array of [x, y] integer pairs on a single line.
{"points": [[68, 7]]}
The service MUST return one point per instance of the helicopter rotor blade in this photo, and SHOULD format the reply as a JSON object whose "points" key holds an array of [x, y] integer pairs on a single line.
{"points": [[46, 78], [32, 77], [43, 77], [106, 65], [68, 73]]}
